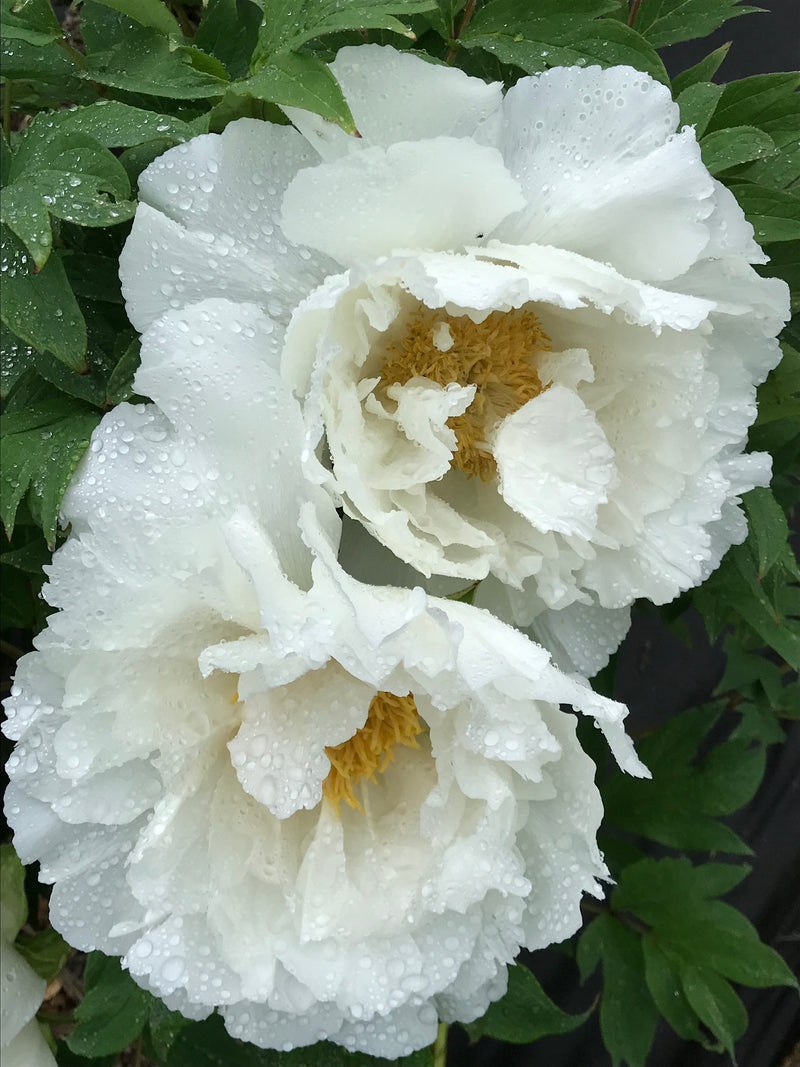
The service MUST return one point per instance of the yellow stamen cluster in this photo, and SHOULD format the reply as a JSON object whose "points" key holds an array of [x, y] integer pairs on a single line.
{"points": [[497, 355], [391, 720]]}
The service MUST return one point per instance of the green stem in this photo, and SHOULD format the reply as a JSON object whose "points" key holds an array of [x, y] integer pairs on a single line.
{"points": [[7, 108], [78, 58], [440, 1046], [466, 18]]}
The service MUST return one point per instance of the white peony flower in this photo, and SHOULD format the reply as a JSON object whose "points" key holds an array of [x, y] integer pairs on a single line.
{"points": [[22, 1043], [526, 327], [327, 809]]}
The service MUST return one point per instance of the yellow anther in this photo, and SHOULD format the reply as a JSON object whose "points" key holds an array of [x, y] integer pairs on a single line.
{"points": [[391, 720], [497, 355]]}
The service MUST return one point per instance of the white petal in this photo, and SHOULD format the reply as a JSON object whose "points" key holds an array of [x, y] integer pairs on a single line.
{"points": [[616, 183], [395, 97], [119, 795], [406, 198], [730, 232], [28, 1048], [581, 637], [554, 462], [568, 280], [23, 992], [85, 905], [411, 1027], [215, 202], [209, 368], [278, 751]]}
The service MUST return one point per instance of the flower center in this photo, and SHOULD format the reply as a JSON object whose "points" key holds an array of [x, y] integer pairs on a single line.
{"points": [[391, 720], [498, 356]]}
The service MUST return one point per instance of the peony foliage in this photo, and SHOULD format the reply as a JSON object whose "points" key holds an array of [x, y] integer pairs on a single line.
{"points": [[200, 560]]}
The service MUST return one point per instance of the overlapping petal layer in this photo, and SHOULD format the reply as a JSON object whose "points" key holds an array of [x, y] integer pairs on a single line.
{"points": [[175, 725], [616, 471]]}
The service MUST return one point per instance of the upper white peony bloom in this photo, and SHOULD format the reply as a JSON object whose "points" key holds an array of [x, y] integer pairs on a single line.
{"points": [[526, 328], [328, 809]]}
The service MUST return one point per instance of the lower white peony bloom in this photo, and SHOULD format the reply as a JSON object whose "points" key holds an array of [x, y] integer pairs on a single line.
{"points": [[328, 809], [525, 330]]}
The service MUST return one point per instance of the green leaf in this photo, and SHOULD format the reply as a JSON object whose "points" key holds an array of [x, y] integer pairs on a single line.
{"points": [[143, 62], [288, 24], [163, 1027], [768, 528], [723, 149], [715, 1003], [45, 75], [42, 447], [781, 170], [666, 22], [136, 159], [676, 807], [235, 105], [15, 359], [41, 309], [119, 386], [465, 595], [662, 892], [675, 900], [300, 81], [31, 21], [30, 558], [664, 982], [23, 210], [703, 71], [698, 103], [46, 951], [555, 38], [117, 125], [208, 1044], [444, 17], [229, 31], [88, 387], [778, 397], [525, 1013], [94, 277], [112, 1012], [774, 214], [70, 176], [763, 685], [150, 13], [13, 902], [757, 100], [628, 1015], [722, 938], [747, 594]]}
